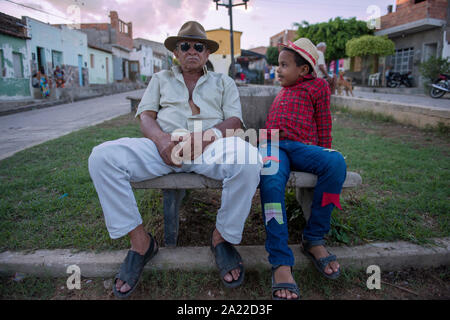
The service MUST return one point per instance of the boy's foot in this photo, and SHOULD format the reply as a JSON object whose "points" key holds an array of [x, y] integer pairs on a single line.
{"points": [[283, 274], [321, 252]]}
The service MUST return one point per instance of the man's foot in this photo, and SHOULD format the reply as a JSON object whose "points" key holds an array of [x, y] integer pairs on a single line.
{"points": [[235, 273], [140, 242], [283, 274], [321, 252]]}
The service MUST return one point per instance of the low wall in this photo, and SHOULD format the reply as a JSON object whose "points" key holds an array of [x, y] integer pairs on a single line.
{"points": [[256, 101], [95, 90], [417, 116]]}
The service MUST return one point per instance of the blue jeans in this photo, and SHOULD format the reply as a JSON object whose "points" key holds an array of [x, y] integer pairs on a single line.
{"points": [[331, 170]]}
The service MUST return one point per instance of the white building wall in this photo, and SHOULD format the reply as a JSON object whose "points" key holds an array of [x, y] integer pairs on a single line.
{"points": [[69, 42], [98, 73], [220, 64], [445, 46], [145, 58]]}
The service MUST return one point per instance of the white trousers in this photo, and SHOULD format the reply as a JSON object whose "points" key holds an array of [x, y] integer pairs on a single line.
{"points": [[114, 164]]}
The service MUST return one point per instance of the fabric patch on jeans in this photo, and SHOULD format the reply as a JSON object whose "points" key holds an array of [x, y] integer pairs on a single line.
{"points": [[333, 198], [273, 211]]}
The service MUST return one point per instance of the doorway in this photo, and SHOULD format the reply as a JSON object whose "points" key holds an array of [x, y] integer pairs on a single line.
{"points": [[80, 69]]}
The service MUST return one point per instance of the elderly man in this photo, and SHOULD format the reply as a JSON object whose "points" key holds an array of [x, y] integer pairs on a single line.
{"points": [[321, 66], [204, 106]]}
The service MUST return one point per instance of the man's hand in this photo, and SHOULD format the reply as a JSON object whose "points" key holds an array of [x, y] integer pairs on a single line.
{"points": [[166, 147], [194, 144]]}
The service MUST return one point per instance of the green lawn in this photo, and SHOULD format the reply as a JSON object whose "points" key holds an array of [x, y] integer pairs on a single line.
{"points": [[48, 200]]}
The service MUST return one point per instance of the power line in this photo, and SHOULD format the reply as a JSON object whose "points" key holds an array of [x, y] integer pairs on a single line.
{"points": [[29, 7]]}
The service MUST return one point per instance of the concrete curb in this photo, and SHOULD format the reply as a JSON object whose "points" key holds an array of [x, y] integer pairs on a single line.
{"points": [[388, 256], [416, 115]]}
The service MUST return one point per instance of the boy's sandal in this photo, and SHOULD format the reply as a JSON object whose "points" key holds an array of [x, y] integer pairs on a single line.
{"points": [[320, 263], [132, 267], [227, 259], [292, 287]]}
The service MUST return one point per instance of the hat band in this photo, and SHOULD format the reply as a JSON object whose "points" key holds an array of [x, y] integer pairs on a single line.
{"points": [[193, 36], [304, 51]]}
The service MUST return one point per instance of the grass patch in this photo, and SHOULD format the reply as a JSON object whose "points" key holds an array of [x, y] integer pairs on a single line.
{"points": [[48, 199], [205, 285]]}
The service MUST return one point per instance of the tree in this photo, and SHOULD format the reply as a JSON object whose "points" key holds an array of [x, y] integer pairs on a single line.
{"points": [[368, 45], [272, 56], [335, 33], [431, 69]]}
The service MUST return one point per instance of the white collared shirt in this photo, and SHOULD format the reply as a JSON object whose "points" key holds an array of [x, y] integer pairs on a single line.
{"points": [[215, 94]]}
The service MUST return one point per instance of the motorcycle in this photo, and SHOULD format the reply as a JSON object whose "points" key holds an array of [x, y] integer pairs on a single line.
{"points": [[440, 86], [396, 79]]}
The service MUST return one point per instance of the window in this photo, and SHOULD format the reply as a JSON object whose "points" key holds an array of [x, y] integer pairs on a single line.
{"points": [[92, 60], [17, 65], [56, 59], [418, 1], [402, 61]]}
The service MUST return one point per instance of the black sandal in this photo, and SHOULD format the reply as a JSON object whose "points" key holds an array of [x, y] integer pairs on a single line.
{"points": [[321, 263], [132, 267], [292, 287], [227, 259]]}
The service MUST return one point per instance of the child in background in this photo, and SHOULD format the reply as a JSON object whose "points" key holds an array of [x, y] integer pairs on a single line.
{"points": [[301, 113]]}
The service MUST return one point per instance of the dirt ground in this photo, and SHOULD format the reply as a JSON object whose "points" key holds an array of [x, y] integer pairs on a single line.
{"points": [[411, 284]]}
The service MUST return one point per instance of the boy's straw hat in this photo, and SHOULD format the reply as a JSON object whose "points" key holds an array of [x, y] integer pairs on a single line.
{"points": [[305, 48], [191, 30]]}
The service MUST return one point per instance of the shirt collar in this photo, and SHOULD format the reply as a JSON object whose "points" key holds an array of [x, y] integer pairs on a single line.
{"points": [[177, 70], [304, 78]]}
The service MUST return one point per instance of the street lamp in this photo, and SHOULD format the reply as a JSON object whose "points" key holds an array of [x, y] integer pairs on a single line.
{"points": [[229, 4]]}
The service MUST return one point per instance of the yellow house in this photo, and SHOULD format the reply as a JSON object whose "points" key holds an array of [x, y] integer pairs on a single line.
{"points": [[221, 59]]}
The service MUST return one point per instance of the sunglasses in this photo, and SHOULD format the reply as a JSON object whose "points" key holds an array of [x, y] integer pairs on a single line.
{"points": [[185, 46]]}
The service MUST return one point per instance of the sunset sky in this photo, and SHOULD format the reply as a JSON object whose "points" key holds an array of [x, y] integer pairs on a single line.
{"points": [[155, 19]]}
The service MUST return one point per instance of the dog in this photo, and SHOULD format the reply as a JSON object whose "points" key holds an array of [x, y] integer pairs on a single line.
{"points": [[346, 84]]}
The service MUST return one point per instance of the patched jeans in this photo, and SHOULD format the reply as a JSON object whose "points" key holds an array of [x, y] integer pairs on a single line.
{"points": [[286, 155]]}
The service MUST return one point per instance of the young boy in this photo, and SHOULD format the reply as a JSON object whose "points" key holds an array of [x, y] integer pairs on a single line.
{"points": [[301, 113]]}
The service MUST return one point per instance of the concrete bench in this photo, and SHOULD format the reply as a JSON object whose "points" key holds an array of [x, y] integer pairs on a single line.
{"points": [[174, 187], [255, 105]]}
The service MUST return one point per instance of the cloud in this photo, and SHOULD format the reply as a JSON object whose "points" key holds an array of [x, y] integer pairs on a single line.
{"points": [[153, 17]]}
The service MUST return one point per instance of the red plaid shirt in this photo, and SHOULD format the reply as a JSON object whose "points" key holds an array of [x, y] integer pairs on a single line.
{"points": [[302, 112]]}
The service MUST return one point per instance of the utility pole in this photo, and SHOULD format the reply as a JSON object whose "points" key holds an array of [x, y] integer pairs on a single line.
{"points": [[229, 5]]}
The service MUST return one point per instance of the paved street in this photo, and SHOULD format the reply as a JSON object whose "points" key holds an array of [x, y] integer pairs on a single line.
{"points": [[421, 100], [25, 129]]}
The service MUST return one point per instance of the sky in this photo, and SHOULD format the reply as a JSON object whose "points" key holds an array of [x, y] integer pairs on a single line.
{"points": [[157, 19]]}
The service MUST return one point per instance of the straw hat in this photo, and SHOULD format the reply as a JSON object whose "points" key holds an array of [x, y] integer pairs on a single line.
{"points": [[305, 48], [191, 30]]}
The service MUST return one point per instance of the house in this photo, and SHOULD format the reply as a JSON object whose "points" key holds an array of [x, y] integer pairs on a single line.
{"points": [[220, 61], [100, 65], [420, 30], [58, 45], [15, 73], [152, 56], [117, 37], [283, 37]]}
